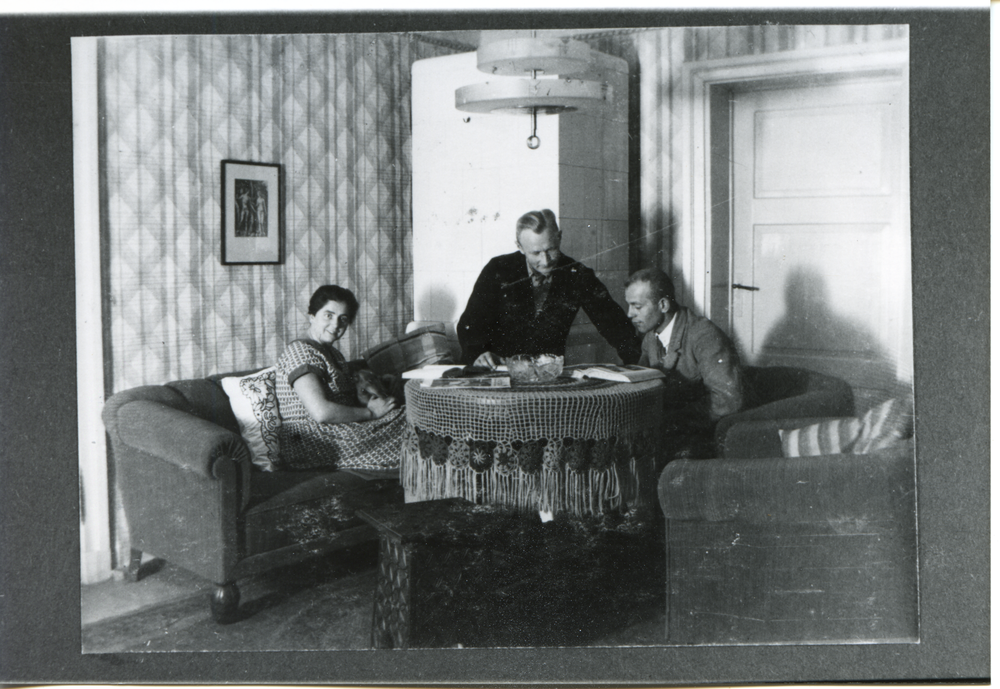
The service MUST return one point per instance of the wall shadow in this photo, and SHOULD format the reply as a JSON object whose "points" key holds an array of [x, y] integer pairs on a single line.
{"points": [[811, 324], [437, 303]]}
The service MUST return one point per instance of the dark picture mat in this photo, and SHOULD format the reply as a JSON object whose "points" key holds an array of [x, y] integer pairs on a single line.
{"points": [[39, 494]]}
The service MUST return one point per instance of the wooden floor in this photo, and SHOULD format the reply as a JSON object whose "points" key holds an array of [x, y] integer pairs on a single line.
{"points": [[325, 604]]}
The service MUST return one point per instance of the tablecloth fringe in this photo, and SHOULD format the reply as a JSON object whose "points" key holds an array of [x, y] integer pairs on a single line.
{"points": [[583, 493]]}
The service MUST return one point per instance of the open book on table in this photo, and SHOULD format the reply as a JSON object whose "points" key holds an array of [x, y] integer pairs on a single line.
{"points": [[620, 374]]}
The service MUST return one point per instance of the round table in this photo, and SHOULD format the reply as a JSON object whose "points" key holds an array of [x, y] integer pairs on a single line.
{"points": [[584, 447]]}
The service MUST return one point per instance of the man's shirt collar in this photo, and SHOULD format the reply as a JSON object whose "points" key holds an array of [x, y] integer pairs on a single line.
{"points": [[664, 335]]}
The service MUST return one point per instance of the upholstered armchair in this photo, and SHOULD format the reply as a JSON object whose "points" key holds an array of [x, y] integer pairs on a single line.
{"points": [[763, 547], [198, 485]]}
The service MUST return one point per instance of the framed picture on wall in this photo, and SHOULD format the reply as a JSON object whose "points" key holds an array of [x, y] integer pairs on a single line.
{"points": [[251, 212]]}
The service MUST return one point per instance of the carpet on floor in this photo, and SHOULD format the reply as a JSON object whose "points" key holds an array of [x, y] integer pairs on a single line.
{"points": [[555, 586]]}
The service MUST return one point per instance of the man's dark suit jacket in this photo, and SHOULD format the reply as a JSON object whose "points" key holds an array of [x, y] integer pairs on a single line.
{"points": [[500, 316]]}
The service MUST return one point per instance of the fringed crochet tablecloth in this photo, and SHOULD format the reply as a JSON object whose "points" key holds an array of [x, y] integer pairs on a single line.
{"points": [[579, 446]]}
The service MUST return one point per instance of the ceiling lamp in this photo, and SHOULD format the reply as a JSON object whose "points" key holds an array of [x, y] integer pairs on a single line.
{"points": [[551, 95]]}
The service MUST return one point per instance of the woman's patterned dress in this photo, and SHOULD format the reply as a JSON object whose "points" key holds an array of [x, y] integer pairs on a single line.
{"points": [[308, 444]]}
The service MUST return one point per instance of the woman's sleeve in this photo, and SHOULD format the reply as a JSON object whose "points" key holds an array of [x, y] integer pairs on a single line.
{"points": [[300, 358]]}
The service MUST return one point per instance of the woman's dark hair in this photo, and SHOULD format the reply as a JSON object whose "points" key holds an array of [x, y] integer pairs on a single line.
{"points": [[537, 222], [328, 293], [659, 282]]}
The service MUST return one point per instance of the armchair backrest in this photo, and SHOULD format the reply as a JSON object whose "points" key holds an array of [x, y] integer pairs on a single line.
{"points": [[785, 392], [768, 385]]}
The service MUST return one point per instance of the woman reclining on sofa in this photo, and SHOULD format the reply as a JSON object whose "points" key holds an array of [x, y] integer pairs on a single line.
{"points": [[332, 416]]}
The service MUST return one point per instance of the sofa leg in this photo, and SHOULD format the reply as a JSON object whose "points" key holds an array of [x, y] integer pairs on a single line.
{"points": [[132, 568], [225, 600]]}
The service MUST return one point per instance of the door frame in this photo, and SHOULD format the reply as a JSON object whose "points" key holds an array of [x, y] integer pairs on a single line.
{"points": [[701, 261], [96, 543]]}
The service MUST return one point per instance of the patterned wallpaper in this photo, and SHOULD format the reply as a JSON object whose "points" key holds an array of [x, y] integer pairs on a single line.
{"points": [[333, 110], [710, 43]]}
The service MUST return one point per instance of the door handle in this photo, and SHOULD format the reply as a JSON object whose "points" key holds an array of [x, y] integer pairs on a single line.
{"points": [[736, 285]]}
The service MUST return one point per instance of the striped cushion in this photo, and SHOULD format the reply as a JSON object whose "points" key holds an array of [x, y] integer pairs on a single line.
{"points": [[831, 437], [884, 425], [879, 428]]}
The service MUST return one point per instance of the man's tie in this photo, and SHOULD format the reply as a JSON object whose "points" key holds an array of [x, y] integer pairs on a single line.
{"points": [[661, 351], [540, 289]]}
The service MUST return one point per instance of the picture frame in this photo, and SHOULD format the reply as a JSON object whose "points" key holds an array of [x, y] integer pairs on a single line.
{"points": [[252, 205]]}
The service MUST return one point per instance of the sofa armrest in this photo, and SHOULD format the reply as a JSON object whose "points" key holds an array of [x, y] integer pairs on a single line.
{"points": [[190, 442], [789, 489]]}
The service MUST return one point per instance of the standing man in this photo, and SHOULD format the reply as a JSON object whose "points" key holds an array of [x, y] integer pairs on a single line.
{"points": [[704, 377], [525, 302]]}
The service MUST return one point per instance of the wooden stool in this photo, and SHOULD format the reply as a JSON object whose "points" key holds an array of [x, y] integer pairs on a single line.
{"points": [[424, 548], [452, 573]]}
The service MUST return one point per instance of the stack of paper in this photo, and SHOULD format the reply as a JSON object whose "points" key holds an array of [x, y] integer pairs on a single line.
{"points": [[431, 371], [497, 382]]}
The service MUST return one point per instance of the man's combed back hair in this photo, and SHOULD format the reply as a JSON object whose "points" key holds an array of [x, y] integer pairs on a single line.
{"points": [[659, 282], [537, 222]]}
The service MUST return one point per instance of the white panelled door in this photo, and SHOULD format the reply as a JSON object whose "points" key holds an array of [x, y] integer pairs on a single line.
{"points": [[821, 259]]}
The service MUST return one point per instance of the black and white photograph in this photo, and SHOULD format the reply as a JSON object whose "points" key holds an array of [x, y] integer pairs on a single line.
{"points": [[534, 206], [350, 304]]}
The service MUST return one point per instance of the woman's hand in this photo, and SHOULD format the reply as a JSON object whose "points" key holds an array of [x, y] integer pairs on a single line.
{"points": [[380, 406], [313, 393]]}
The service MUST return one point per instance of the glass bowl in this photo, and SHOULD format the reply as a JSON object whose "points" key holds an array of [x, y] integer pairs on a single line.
{"points": [[534, 368]]}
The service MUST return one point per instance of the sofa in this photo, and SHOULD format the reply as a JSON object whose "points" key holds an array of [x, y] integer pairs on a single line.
{"points": [[192, 496], [199, 477], [804, 532]]}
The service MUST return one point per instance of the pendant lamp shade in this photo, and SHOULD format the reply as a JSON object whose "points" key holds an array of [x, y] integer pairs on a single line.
{"points": [[520, 96], [515, 57], [521, 56]]}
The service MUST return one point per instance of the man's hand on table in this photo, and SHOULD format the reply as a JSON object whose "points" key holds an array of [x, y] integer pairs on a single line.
{"points": [[488, 360]]}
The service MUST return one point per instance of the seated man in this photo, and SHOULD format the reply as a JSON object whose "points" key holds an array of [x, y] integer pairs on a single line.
{"points": [[525, 302], [704, 378]]}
